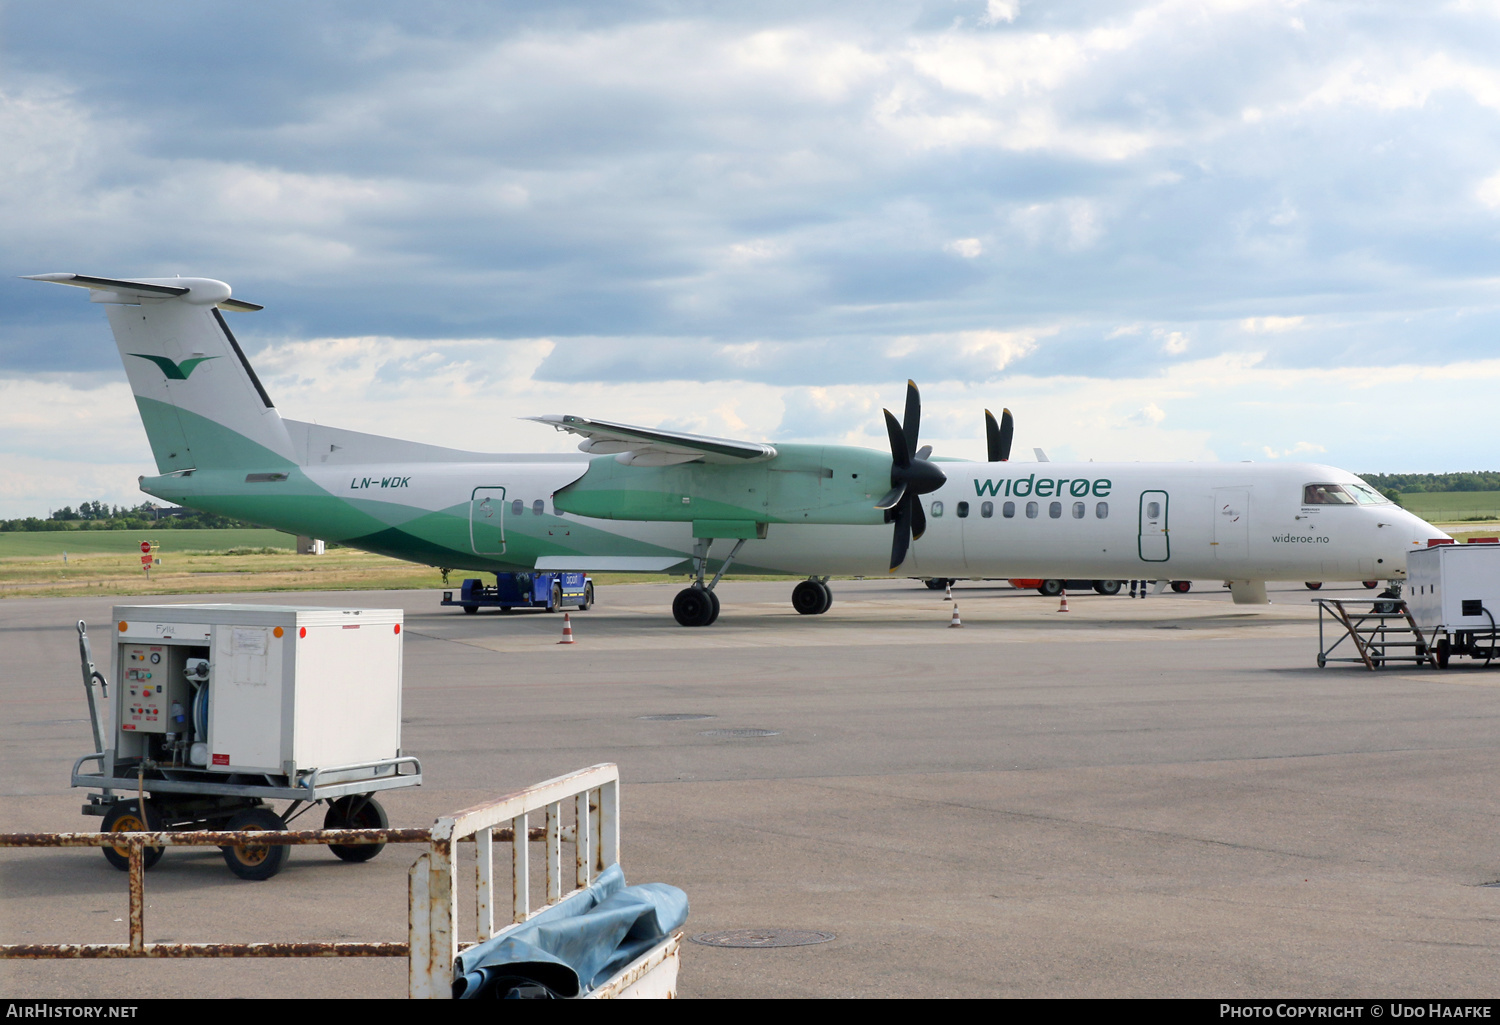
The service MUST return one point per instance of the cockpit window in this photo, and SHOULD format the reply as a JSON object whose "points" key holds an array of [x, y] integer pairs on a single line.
{"points": [[1326, 494], [1366, 495]]}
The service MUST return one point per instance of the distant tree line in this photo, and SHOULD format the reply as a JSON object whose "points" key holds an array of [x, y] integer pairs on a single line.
{"points": [[148, 515], [1393, 484]]}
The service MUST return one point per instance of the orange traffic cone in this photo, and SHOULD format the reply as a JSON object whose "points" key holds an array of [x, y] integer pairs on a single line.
{"points": [[567, 630], [949, 595], [954, 621], [1064, 606]]}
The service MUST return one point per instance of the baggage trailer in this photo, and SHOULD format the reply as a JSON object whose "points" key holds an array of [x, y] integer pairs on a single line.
{"points": [[218, 710], [540, 590]]}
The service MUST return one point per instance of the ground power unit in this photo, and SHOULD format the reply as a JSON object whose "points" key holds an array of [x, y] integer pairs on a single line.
{"points": [[217, 710], [1453, 594]]}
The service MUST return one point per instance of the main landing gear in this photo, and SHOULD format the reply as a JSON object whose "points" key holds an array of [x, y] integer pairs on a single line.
{"points": [[698, 605], [812, 597]]}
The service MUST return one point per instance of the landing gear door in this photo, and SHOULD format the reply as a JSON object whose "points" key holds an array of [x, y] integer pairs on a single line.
{"points": [[1153, 543], [487, 521]]}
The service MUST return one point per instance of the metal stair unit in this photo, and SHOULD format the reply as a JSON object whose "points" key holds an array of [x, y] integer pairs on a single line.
{"points": [[1385, 633]]}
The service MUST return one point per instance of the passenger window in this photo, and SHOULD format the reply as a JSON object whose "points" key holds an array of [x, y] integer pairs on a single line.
{"points": [[1031, 508], [937, 508], [1153, 510], [1102, 510], [1055, 510], [1008, 510], [986, 509], [517, 507], [962, 509], [1078, 510], [538, 507]]}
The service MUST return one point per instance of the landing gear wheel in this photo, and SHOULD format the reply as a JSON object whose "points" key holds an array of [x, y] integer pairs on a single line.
{"points": [[811, 598], [1182, 586], [938, 584], [1387, 608], [588, 598], [125, 817], [827, 598], [470, 610], [1312, 585], [714, 601], [693, 606], [1051, 588], [255, 861], [355, 812], [1107, 586], [555, 605]]}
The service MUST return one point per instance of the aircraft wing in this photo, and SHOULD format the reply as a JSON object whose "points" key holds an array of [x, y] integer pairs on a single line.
{"points": [[651, 446]]}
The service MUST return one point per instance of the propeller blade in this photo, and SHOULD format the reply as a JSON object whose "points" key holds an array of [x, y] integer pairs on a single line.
{"points": [[900, 450], [902, 540], [925, 452], [891, 497], [992, 437], [912, 422], [1007, 432], [918, 519]]}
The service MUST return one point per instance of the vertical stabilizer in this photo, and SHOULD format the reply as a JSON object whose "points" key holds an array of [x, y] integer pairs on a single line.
{"points": [[201, 403]]}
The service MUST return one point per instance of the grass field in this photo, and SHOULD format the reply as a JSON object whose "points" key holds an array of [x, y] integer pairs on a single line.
{"points": [[204, 561], [1454, 506], [123, 542]]}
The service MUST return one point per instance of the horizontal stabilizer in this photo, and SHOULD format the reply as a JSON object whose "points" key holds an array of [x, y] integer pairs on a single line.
{"points": [[651, 446], [198, 291]]}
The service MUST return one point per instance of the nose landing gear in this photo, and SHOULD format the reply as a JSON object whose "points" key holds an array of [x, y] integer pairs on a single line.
{"points": [[812, 597]]}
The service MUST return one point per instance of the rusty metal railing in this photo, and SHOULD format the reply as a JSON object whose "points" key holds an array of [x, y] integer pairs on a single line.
{"points": [[434, 944], [432, 927]]}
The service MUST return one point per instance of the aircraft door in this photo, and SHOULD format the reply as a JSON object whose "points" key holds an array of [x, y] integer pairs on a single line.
{"points": [[1231, 524], [1153, 542], [487, 521]]}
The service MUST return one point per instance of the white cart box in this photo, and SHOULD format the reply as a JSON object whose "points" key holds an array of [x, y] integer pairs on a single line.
{"points": [[1454, 586], [291, 688]]}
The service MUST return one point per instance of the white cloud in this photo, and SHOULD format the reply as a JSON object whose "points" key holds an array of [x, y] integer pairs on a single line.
{"points": [[1301, 448], [1149, 415], [968, 248], [1270, 325], [1174, 343]]}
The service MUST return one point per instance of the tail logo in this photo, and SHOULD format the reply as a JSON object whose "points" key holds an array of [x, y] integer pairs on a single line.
{"points": [[175, 371]]}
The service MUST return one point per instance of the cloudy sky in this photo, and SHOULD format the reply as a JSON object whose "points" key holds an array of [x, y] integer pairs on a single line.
{"points": [[1155, 229]]}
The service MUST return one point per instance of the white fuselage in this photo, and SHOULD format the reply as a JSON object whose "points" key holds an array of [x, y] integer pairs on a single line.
{"points": [[1230, 521]]}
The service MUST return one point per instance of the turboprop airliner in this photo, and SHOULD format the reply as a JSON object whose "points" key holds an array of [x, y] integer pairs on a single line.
{"points": [[640, 499]]}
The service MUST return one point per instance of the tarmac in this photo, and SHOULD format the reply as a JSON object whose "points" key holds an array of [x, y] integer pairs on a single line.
{"points": [[1160, 797]]}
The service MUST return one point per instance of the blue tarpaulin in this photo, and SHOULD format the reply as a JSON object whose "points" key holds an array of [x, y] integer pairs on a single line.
{"points": [[575, 945]]}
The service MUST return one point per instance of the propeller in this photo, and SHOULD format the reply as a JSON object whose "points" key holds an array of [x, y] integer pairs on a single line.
{"points": [[912, 476], [998, 435]]}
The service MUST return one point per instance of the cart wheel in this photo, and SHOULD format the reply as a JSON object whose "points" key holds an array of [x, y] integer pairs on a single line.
{"points": [[1370, 585], [255, 861], [470, 610], [1322, 660], [125, 817], [588, 597], [1312, 585], [555, 604], [1442, 650], [356, 812]]}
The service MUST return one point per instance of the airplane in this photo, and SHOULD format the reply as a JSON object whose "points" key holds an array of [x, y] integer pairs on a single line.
{"points": [[641, 499]]}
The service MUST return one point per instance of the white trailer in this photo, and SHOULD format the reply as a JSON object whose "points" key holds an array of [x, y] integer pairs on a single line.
{"points": [[1453, 594], [219, 709]]}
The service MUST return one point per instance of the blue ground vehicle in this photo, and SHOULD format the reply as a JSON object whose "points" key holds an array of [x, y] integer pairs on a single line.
{"points": [[550, 591]]}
